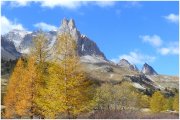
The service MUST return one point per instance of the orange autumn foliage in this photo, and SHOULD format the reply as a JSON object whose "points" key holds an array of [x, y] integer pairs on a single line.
{"points": [[20, 90]]}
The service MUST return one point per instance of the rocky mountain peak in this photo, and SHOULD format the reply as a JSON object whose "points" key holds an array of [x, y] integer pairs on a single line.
{"points": [[86, 47], [64, 22], [148, 70], [125, 63], [71, 24], [68, 26], [16, 36]]}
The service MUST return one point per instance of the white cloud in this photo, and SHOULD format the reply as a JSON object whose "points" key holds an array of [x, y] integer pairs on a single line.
{"points": [[172, 18], [45, 26], [135, 57], [171, 49], [74, 4], [69, 4], [105, 3], [62, 3], [17, 3], [164, 48], [7, 25], [154, 40], [2, 3]]}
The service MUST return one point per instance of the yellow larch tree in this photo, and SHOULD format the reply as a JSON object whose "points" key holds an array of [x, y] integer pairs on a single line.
{"points": [[19, 100], [176, 102], [40, 54], [68, 90], [157, 102], [40, 48], [14, 90], [26, 80]]}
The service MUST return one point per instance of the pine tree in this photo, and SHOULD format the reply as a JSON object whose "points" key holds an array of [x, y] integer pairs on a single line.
{"points": [[157, 102]]}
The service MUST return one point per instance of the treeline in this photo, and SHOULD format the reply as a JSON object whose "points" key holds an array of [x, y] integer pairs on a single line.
{"points": [[49, 83], [7, 66]]}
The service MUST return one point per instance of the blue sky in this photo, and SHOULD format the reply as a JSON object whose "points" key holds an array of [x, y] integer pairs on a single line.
{"points": [[138, 31]]}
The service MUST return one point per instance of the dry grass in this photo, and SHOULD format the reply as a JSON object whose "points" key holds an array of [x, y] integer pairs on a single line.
{"points": [[132, 115]]}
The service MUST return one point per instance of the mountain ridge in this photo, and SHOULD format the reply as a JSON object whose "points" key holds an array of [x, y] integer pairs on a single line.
{"points": [[23, 39], [87, 48]]}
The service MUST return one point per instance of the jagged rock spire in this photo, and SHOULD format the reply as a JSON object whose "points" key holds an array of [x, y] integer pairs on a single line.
{"points": [[148, 70], [125, 63], [71, 24], [68, 23], [84, 44], [64, 21], [68, 26]]}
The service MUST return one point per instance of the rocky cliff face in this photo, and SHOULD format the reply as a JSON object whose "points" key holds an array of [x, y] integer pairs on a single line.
{"points": [[148, 70], [85, 45], [125, 63], [8, 50], [15, 36], [23, 39]]}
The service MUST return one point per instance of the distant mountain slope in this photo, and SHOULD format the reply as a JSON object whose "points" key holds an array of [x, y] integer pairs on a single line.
{"points": [[108, 72], [8, 50]]}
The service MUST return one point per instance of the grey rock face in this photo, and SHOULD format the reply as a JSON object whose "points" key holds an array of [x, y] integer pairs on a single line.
{"points": [[141, 79], [148, 70], [23, 39], [125, 63], [27, 42], [8, 50], [106, 69], [16, 36], [84, 44]]}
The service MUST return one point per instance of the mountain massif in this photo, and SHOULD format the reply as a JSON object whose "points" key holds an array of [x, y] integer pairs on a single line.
{"points": [[22, 40], [18, 42]]}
